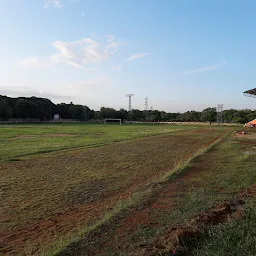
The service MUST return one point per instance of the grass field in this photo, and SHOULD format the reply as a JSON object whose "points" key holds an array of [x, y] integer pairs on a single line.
{"points": [[23, 140], [114, 190], [215, 177]]}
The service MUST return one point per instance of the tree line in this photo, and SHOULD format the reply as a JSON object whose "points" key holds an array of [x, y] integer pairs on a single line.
{"points": [[207, 115], [43, 109]]}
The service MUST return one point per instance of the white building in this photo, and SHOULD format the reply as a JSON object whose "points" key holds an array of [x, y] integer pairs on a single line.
{"points": [[56, 117]]}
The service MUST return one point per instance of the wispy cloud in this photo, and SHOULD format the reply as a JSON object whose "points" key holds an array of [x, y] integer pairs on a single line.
{"points": [[53, 3], [138, 56], [79, 53], [83, 52], [206, 68]]}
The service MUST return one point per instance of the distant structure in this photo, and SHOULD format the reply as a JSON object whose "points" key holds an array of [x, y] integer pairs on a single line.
{"points": [[146, 108], [250, 93], [113, 120], [251, 124], [220, 113], [56, 117], [130, 101]]}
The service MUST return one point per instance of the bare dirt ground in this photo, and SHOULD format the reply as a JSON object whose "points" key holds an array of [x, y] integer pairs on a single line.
{"points": [[46, 197]]}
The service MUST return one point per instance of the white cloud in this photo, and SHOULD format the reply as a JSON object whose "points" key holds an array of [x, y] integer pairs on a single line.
{"points": [[206, 68], [35, 62], [83, 52], [79, 53], [53, 3], [138, 56]]}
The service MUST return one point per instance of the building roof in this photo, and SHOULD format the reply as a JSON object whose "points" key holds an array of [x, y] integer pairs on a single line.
{"points": [[251, 93]]}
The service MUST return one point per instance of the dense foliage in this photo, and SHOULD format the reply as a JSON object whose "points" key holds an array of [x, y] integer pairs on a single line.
{"points": [[207, 115], [41, 109], [44, 109]]}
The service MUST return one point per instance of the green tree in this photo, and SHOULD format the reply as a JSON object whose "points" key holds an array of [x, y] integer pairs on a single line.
{"points": [[137, 115], [107, 112], [25, 109], [5, 110], [208, 115], [122, 114], [78, 112]]}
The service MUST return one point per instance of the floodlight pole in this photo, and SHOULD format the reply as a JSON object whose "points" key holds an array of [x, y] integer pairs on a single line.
{"points": [[130, 101], [130, 104], [146, 108], [219, 113]]}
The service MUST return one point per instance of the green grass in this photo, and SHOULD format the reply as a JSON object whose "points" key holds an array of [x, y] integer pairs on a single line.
{"points": [[226, 171], [65, 183], [81, 189], [22, 140], [230, 171], [136, 200], [235, 238]]}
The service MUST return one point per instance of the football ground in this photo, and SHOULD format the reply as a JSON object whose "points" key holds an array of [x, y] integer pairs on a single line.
{"points": [[88, 189]]}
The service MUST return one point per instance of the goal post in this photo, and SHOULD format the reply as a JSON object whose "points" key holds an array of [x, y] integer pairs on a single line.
{"points": [[112, 120]]}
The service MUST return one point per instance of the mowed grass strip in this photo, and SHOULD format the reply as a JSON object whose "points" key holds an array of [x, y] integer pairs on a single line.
{"points": [[23, 140], [214, 178], [49, 196]]}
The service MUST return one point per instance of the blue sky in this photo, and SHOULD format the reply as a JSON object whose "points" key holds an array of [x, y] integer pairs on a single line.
{"points": [[182, 55]]}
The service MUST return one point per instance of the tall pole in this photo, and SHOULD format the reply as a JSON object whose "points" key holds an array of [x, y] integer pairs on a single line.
{"points": [[130, 105], [130, 101], [219, 113], [146, 108]]}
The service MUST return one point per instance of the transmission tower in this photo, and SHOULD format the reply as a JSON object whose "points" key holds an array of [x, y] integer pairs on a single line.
{"points": [[130, 101], [146, 108], [219, 113]]}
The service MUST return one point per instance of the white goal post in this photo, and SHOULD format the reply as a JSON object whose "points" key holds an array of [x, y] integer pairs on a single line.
{"points": [[112, 119]]}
